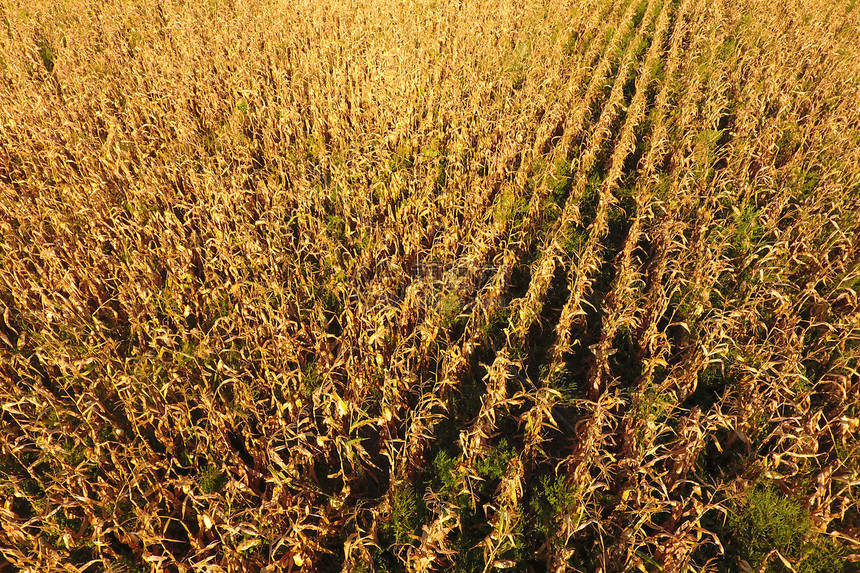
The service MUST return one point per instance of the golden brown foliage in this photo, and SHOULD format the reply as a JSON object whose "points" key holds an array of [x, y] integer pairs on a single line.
{"points": [[429, 285]]}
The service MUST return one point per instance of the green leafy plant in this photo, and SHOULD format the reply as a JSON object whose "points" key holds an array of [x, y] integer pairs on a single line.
{"points": [[554, 498], [46, 53], [211, 480], [407, 514], [766, 520]]}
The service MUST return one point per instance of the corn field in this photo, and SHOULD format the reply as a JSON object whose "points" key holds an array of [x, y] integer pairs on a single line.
{"points": [[430, 285]]}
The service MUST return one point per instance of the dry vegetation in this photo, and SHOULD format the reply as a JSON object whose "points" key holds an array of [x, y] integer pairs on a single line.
{"points": [[377, 285]]}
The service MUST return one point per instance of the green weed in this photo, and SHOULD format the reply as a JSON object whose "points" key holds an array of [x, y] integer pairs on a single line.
{"points": [[766, 519]]}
